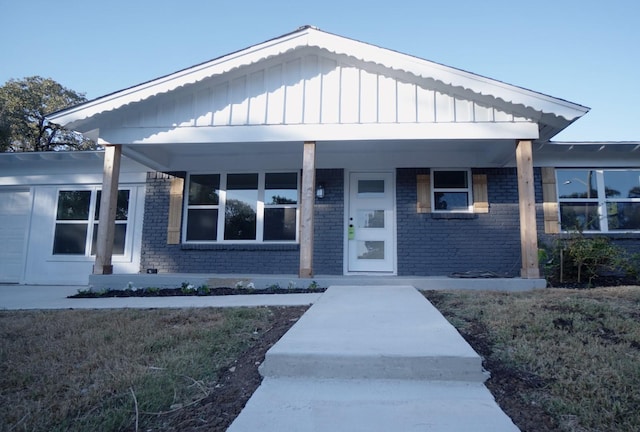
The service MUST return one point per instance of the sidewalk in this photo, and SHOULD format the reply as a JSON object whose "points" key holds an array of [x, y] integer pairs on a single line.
{"points": [[55, 297], [372, 359]]}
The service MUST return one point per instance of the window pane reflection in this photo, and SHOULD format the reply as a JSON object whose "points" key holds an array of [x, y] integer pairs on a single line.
{"points": [[371, 219], [370, 250]]}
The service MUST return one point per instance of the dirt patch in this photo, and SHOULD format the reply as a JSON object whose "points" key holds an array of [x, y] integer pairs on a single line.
{"points": [[234, 388]]}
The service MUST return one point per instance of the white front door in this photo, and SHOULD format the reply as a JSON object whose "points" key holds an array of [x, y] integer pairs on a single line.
{"points": [[371, 223]]}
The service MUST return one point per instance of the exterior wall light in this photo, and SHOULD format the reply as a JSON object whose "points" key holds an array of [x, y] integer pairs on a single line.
{"points": [[320, 191]]}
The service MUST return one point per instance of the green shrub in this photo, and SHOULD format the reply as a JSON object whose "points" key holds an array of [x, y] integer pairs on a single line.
{"points": [[581, 260]]}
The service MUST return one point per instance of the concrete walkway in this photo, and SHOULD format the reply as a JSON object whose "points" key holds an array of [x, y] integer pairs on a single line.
{"points": [[372, 359], [55, 297]]}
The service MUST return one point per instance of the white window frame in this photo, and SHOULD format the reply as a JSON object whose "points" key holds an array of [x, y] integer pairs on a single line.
{"points": [[221, 207], [601, 200], [91, 223], [468, 190]]}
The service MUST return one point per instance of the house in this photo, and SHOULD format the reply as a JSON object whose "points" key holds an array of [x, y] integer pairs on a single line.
{"points": [[314, 154]]}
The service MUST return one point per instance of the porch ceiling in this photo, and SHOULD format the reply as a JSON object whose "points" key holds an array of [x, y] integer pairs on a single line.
{"points": [[358, 154]]}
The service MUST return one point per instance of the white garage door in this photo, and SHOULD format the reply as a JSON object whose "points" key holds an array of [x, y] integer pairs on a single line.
{"points": [[14, 221]]}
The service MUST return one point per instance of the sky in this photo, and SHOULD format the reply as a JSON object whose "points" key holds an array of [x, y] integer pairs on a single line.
{"points": [[583, 51]]}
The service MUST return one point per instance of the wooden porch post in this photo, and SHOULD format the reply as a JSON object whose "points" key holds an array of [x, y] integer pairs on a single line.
{"points": [[306, 209], [527, 202], [108, 204]]}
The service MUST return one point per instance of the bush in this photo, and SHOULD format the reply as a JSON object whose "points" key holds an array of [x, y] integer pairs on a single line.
{"points": [[582, 260]]}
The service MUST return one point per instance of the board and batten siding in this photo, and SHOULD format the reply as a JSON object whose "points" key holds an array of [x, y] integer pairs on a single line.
{"points": [[309, 89]]}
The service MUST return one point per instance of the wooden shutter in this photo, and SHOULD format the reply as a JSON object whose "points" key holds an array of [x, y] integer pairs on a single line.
{"points": [[175, 210], [480, 194], [424, 193], [550, 201]]}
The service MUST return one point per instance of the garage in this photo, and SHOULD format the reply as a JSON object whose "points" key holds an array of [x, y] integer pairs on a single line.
{"points": [[15, 210]]}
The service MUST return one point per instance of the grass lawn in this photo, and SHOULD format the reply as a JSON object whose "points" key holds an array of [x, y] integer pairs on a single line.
{"points": [[561, 360], [566, 360], [110, 370]]}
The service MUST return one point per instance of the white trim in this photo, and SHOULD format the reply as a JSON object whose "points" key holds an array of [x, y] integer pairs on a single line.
{"points": [[321, 132]]}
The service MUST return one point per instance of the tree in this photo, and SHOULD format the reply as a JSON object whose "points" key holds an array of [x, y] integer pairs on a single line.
{"points": [[23, 106]]}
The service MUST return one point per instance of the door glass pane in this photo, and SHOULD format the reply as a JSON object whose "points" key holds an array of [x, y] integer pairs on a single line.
{"points": [[73, 205], [622, 184], [279, 224], [70, 239], [623, 215], [371, 250], [579, 216], [577, 184], [119, 236], [370, 186], [370, 218], [204, 189], [241, 207], [451, 200], [202, 224], [281, 188]]}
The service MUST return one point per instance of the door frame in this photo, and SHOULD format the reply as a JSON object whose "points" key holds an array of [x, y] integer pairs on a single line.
{"points": [[394, 225]]}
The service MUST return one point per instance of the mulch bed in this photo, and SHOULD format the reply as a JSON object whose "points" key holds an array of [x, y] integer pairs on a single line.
{"points": [[172, 292]]}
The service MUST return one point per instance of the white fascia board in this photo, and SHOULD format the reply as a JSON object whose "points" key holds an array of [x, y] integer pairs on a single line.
{"points": [[178, 79], [129, 178], [341, 132]]}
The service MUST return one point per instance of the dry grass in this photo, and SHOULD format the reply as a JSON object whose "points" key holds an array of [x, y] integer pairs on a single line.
{"points": [[112, 370], [580, 348]]}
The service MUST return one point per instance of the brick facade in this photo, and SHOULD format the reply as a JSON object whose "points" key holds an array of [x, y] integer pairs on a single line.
{"points": [[434, 245], [427, 244], [238, 259]]}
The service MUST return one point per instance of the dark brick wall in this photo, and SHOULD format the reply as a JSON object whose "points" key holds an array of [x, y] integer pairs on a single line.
{"points": [[248, 259], [433, 245], [329, 224]]}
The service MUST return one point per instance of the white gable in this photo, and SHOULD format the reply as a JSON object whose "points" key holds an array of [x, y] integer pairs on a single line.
{"points": [[305, 89], [310, 77]]}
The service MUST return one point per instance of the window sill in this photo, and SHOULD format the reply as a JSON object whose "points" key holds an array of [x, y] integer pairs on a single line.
{"points": [[241, 247], [453, 216]]}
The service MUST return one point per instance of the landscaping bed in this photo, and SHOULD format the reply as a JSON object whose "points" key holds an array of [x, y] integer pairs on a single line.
{"points": [[192, 291]]}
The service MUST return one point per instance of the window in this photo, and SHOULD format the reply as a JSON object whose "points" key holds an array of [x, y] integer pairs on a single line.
{"points": [[77, 215], [242, 207], [451, 191], [599, 200]]}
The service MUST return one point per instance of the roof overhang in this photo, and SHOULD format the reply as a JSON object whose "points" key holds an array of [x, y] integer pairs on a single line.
{"points": [[553, 114]]}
